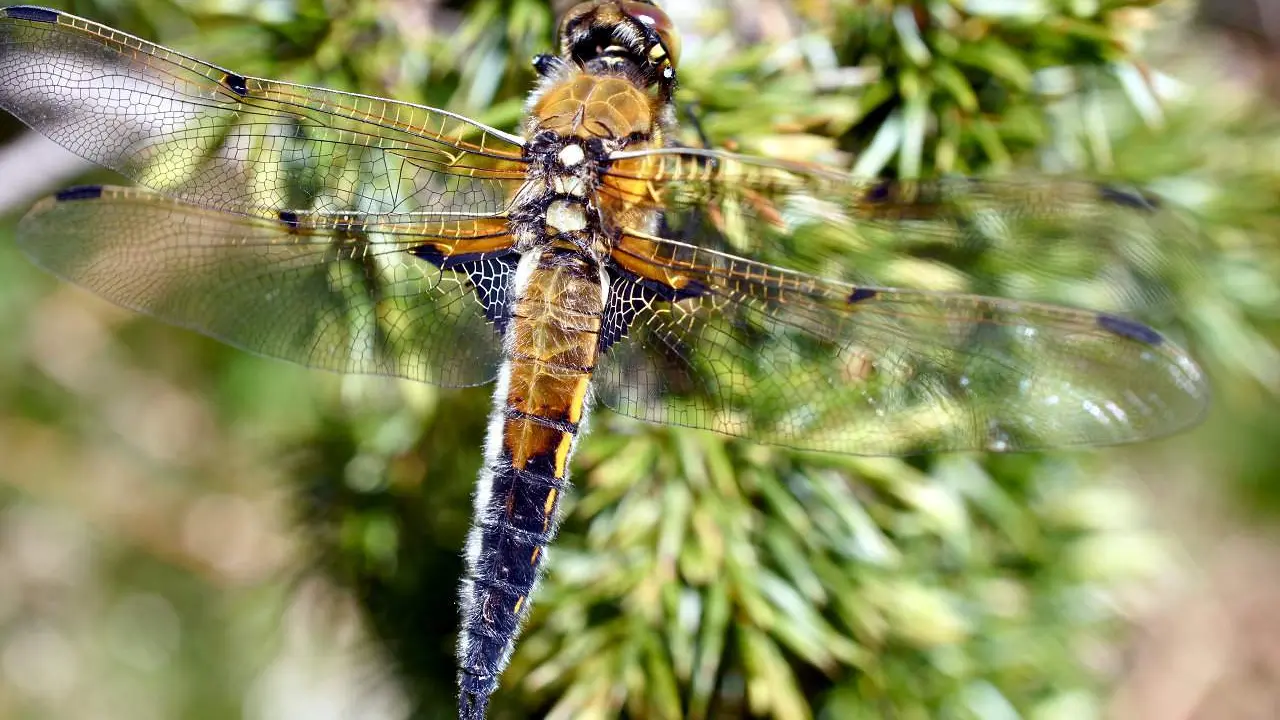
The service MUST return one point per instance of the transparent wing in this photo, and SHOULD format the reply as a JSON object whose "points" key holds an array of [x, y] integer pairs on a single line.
{"points": [[1037, 238], [409, 295], [238, 143], [704, 339]]}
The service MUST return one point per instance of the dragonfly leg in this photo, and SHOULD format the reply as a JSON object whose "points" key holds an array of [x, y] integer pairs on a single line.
{"points": [[692, 112], [546, 65]]}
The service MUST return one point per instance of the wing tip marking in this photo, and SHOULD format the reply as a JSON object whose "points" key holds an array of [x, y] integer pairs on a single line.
{"points": [[79, 192], [1129, 198], [860, 294], [1130, 329], [879, 192], [34, 13]]}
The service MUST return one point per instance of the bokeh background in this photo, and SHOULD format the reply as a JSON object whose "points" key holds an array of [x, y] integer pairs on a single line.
{"points": [[188, 531]]}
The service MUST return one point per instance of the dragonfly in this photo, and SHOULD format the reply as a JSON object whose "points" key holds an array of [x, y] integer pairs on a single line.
{"points": [[588, 259]]}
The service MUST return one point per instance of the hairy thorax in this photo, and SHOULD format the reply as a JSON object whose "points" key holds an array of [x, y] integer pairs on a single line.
{"points": [[577, 119], [593, 106]]}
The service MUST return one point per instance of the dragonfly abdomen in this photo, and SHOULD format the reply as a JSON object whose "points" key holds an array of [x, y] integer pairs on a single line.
{"points": [[552, 343]]}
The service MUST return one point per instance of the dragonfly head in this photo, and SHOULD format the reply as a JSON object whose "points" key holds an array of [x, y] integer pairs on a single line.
{"points": [[634, 34]]}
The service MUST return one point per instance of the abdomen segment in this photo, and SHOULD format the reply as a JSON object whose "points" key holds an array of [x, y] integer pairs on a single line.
{"points": [[539, 408]]}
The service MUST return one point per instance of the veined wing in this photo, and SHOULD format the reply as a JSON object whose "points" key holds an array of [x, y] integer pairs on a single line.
{"points": [[239, 143], [1034, 238], [415, 295], [709, 340]]}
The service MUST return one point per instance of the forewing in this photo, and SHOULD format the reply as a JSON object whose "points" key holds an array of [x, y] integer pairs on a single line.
{"points": [[708, 340], [239, 143], [1040, 238], [357, 293]]}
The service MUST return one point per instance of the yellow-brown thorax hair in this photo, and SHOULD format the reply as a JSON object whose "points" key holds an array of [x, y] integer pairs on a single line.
{"points": [[586, 106]]}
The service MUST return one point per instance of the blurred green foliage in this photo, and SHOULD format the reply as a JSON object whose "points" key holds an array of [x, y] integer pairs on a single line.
{"points": [[695, 576]]}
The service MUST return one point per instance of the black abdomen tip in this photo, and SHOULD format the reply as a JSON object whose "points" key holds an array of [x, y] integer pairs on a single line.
{"points": [[32, 13], [79, 192], [1130, 329]]}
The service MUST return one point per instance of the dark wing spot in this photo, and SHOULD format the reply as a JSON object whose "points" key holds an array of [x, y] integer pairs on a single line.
{"points": [[431, 254], [290, 218], [860, 294], [490, 275], [627, 298], [79, 192], [880, 192], [434, 255], [237, 84], [630, 295], [667, 293], [32, 13], [1130, 329], [691, 289], [1128, 198]]}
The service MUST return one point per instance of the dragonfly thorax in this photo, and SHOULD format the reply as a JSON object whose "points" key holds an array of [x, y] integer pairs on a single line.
{"points": [[611, 108]]}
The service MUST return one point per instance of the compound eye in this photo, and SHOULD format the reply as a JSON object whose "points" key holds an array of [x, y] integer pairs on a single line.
{"points": [[575, 15], [653, 17]]}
